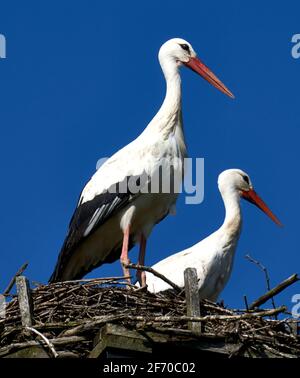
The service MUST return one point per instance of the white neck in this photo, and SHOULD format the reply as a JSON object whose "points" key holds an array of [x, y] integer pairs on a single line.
{"points": [[169, 115], [172, 101], [233, 218]]}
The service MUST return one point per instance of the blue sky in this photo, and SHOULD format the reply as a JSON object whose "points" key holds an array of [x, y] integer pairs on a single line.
{"points": [[81, 80]]}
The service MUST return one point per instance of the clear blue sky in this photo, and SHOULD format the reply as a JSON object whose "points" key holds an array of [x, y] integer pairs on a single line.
{"points": [[81, 79]]}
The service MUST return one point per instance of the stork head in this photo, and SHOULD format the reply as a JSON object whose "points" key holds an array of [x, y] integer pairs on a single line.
{"points": [[238, 182], [179, 52]]}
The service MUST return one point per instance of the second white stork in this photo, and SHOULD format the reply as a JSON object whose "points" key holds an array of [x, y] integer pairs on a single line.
{"points": [[213, 256], [107, 221]]}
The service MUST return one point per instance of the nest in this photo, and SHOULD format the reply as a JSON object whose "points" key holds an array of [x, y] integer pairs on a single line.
{"points": [[67, 317]]}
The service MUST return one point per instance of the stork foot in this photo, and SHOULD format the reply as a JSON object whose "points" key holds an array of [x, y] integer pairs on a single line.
{"points": [[142, 288]]}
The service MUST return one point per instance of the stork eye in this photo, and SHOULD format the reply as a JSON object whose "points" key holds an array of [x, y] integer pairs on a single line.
{"points": [[185, 47], [246, 178]]}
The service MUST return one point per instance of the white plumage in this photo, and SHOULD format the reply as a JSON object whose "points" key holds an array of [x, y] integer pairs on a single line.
{"points": [[107, 224], [213, 256]]}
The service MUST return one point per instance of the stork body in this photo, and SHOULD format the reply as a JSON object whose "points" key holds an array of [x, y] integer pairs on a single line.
{"points": [[213, 256], [108, 221]]}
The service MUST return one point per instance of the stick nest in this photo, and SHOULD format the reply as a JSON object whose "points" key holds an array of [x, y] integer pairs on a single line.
{"points": [[70, 315]]}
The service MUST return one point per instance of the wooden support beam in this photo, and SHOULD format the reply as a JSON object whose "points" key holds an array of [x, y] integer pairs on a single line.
{"points": [[192, 298], [121, 338], [25, 301], [114, 336]]}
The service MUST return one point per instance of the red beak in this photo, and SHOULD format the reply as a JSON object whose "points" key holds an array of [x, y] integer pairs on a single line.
{"points": [[254, 198], [196, 65]]}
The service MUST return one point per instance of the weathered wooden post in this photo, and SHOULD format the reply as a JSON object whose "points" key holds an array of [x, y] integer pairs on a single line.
{"points": [[294, 327], [25, 301], [192, 298]]}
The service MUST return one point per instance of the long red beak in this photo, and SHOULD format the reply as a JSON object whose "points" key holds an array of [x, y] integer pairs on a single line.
{"points": [[196, 65], [254, 198]]}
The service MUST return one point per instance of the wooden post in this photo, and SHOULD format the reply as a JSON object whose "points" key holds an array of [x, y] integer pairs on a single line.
{"points": [[25, 301], [192, 298], [294, 328]]}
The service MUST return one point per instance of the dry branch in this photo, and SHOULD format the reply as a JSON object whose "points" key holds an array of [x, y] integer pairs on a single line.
{"points": [[96, 322], [265, 270], [276, 290], [92, 281], [44, 338], [57, 342], [155, 273], [13, 280], [206, 318]]}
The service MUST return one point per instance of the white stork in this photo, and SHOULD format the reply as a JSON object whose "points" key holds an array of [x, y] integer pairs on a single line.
{"points": [[213, 256], [107, 221]]}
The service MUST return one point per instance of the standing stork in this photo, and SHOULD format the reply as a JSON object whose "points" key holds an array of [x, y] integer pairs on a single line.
{"points": [[107, 221], [213, 256]]}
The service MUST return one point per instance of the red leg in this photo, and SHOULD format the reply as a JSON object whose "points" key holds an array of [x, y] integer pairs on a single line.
{"points": [[141, 275], [124, 255]]}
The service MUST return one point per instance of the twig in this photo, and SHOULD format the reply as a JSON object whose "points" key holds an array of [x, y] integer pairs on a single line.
{"points": [[89, 280], [246, 303], [13, 280], [155, 273], [87, 326], [47, 341], [277, 352], [264, 269], [209, 317], [56, 341], [90, 324], [276, 290]]}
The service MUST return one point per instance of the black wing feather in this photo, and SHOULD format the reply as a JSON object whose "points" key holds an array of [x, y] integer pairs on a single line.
{"points": [[90, 215]]}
